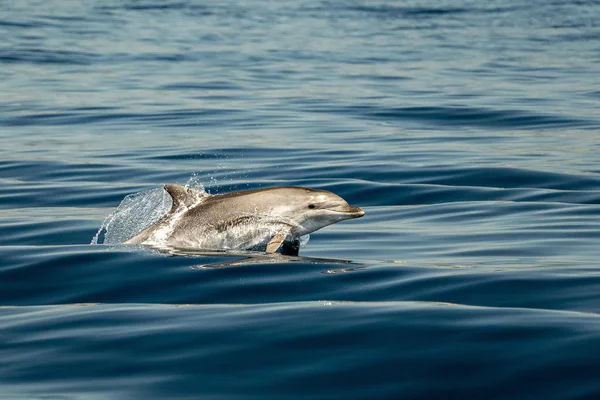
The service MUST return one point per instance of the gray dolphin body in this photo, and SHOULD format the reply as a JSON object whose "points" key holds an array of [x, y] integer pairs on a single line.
{"points": [[245, 220]]}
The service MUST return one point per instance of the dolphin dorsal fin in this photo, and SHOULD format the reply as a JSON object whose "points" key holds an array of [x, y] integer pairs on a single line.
{"points": [[183, 196]]}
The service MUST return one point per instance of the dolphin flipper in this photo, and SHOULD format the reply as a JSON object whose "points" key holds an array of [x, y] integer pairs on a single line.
{"points": [[276, 242], [287, 248]]}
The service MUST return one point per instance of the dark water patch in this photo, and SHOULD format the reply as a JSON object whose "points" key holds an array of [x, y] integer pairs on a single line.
{"points": [[95, 108], [592, 93], [33, 231], [199, 348], [491, 212], [468, 116], [42, 171], [72, 178], [387, 11], [194, 117], [257, 154], [46, 56], [46, 195], [18, 24], [33, 226], [151, 5], [104, 274], [154, 273], [579, 197], [492, 177], [501, 178], [73, 174], [213, 85]]}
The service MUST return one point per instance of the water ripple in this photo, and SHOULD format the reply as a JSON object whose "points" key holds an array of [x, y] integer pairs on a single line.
{"points": [[467, 132]]}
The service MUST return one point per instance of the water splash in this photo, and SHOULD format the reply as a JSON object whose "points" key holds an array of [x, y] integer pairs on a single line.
{"points": [[135, 213], [304, 240], [195, 183]]}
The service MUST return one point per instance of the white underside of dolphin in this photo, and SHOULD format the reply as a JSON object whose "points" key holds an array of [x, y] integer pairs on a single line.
{"points": [[262, 219]]}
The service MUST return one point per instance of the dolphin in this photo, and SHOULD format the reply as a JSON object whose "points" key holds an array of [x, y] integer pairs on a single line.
{"points": [[245, 220]]}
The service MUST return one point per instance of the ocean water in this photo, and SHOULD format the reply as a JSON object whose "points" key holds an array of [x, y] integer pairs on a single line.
{"points": [[468, 131]]}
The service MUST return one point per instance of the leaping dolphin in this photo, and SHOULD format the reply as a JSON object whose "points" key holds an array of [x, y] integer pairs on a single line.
{"points": [[245, 220]]}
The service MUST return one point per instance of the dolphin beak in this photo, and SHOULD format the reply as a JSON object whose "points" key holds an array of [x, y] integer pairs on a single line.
{"points": [[350, 211]]}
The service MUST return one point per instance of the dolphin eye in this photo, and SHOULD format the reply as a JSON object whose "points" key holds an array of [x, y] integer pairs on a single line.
{"points": [[311, 206]]}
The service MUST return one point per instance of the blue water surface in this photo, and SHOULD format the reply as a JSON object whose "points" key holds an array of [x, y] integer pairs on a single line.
{"points": [[469, 132]]}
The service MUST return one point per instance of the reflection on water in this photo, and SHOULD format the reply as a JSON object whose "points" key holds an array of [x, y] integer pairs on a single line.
{"points": [[250, 257]]}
